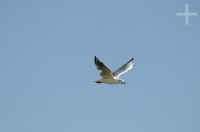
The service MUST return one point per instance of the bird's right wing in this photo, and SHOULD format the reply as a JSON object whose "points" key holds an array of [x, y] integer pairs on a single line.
{"points": [[126, 67], [105, 71]]}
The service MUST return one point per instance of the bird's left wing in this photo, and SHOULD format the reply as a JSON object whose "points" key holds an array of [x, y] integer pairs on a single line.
{"points": [[126, 67], [105, 71]]}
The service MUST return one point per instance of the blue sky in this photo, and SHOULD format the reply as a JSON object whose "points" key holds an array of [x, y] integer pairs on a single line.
{"points": [[47, 69]]}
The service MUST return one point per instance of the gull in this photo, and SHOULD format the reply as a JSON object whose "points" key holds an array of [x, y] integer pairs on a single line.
{"points": [[110, 77]]}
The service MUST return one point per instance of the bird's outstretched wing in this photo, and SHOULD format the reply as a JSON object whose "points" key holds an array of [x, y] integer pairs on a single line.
{"points": [[105, 71], [126, 67]]}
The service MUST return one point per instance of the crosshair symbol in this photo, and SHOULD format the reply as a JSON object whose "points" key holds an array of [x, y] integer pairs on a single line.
{"points": [[186, 14]]}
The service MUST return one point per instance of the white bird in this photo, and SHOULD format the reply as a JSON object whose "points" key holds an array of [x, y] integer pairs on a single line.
{"points": [[110, 77]]}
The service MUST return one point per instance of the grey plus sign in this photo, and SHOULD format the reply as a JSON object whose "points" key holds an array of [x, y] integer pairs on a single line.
{"points": [[186, 14]]}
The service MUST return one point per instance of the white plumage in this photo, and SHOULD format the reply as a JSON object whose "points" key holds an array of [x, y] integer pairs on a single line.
{"points": [[110, 77]]}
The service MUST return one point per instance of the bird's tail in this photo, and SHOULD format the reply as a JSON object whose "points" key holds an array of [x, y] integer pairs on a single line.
{"points": [[97, 82]]}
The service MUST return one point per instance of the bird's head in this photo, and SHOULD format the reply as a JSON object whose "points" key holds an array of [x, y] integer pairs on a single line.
{"points": [[122, 81]]}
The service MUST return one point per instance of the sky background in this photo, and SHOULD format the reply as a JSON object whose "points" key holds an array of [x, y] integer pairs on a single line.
{"points": [[47, 71]]}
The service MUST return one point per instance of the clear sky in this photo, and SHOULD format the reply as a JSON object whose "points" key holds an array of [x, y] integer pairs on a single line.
{"points": [[47, 71]]}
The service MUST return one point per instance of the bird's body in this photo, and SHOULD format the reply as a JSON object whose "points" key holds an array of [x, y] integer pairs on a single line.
{"points": [[110, 77], [108, 81]]}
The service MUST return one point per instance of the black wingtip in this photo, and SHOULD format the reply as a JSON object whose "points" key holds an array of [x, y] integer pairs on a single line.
{"points": [[131, 59], [95, 58], [98, 62]]}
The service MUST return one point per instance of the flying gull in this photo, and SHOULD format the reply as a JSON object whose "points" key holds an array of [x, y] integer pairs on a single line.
{"points": [[110, 77]]}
